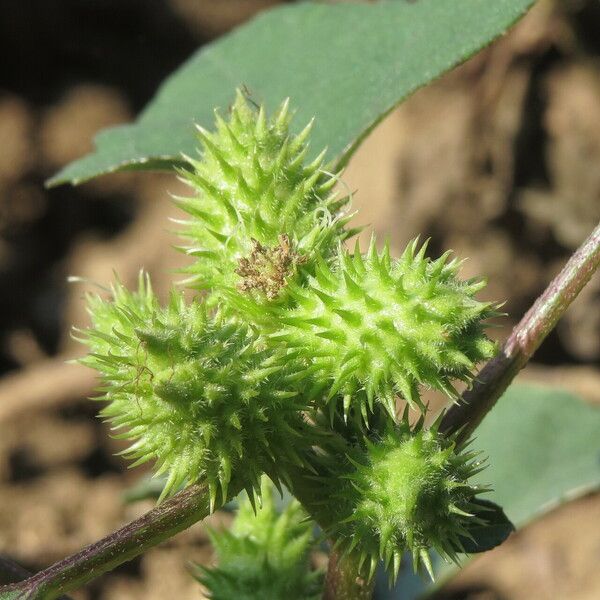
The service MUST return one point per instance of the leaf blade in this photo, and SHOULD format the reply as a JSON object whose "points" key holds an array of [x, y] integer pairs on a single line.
{"points": [[347, 64], [552, 436]]}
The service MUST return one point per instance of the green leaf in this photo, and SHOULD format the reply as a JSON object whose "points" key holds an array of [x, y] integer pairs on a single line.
{"points": [[543, 447], [492, 534], [348, 65], [23, 593]]}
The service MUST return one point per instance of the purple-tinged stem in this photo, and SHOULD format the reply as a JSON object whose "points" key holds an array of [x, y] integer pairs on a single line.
{"points": [[172, 516], [525, 339]]}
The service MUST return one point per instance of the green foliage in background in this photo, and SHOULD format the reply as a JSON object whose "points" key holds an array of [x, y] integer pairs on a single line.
{"points": [[264, 555]]}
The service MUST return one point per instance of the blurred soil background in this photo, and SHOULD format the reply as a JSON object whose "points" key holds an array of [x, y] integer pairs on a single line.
{"points": [[499, 160]]}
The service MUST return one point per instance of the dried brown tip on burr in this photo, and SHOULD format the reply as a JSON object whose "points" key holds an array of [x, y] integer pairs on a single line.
{"points": [[267, 269]]}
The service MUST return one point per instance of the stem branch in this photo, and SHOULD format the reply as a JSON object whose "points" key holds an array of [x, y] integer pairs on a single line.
{"points": [[343, 582], [180, 512], [524, 340]]}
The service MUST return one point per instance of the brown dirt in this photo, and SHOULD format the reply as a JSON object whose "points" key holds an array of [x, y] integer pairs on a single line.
{"points": [[497, 160], [555, 557]]}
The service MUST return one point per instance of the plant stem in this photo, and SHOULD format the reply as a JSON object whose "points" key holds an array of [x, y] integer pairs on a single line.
{"points": [[184, 509], [524, 340], [11, 572], [342, 581]]}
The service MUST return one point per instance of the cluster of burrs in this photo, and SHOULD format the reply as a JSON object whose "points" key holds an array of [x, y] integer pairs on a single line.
{"points": [[296, 352]]}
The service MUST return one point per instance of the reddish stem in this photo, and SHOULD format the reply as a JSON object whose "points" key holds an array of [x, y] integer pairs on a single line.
{"points": [[184, 509], [524, 340]]}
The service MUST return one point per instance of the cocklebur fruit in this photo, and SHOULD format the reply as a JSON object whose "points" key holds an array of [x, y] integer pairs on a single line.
{"points": [[264, 556], [200, 396], [372, 328], [258, 211], [407, 491]]}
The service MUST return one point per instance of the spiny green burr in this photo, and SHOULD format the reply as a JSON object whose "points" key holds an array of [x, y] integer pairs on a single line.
{"points": [[200, 396], [258, 210], [408, 490], [372, 328], [264, 556]]}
